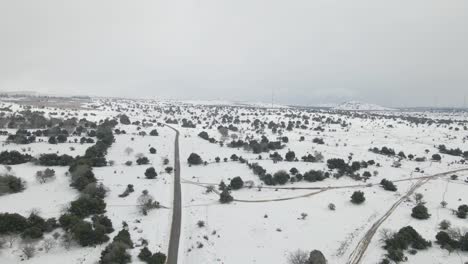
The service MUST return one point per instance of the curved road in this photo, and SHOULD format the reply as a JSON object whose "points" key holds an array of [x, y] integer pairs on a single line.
{"points": [[173, 251]]}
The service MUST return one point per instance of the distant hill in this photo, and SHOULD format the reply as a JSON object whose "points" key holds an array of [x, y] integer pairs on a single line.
{"points": [[360, 106]]}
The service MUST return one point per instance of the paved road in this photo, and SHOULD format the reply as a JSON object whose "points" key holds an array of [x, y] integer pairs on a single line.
{"points": [[358, 253], [173, 251]]}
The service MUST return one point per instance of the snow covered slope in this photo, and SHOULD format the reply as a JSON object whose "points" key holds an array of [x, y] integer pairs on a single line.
{"points": [[360, 106]]}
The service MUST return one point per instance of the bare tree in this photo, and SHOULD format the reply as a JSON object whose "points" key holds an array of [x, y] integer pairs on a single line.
{"points": [[146, 202], [44, 176], [298, 257], [48, 244], [386, 234], [9, 239], [28, 250], [128, 151], [67, 241]]}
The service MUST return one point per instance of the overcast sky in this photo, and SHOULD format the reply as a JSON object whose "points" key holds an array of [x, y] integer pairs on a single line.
{"points": [[394, 53]]}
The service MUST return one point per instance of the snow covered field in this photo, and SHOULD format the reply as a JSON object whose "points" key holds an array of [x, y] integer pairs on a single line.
{"points": [[265, 222]]}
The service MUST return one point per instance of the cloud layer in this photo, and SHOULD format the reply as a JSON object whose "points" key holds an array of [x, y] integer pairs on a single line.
{"points": [[395, 53]]}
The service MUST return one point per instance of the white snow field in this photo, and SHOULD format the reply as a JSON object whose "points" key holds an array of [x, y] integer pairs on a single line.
{"points": [[264, 223]]}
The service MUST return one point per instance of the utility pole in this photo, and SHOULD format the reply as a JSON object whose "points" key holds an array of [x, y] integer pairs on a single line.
{"points": [[272, 97]]}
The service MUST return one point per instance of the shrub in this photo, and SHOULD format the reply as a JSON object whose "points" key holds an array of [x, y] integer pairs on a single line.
{"points": [[298, 257], [142, 161], [154, 133], [53, 159], [12, 223], [444, 225], [44, 176], [145, 255], [462, 211], [436, 157], [124, 120], [290, 156], [445, 241], [420, 212], [52, 140], [13, 157], [10, 184], [194, 159], [313, 176], [388, 185], [67, 221], [225, 197], [237, 183], [152, 150], [281, 177], [358, 197], [95, 190], [403, 239], [127, 191], [103, 221], [85, 206], [82, 176], [85, 235], [150, 173]]}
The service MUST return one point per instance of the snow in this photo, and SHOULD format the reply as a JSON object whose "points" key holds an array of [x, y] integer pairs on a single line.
{"points": [[359, 106], [263, 224]]}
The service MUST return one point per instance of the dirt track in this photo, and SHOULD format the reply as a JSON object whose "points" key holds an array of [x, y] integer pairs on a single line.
{"points": [[358, 253]]}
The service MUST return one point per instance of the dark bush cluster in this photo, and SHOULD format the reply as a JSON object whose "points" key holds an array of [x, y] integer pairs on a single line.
{"points": [[13, 157], [315, 175], [91, 201], [388, 185], [420, 212], [344, 168], [399, 242], [453, 152], [10, 184], [225, 196], [142, 161], [32, 227], [265, 145], [447, 241], [358, 197], [462, 211], [21, 136], [53, 159], [146, 256], [236, 183], [383, 151], [194, 159], [206, 137]]}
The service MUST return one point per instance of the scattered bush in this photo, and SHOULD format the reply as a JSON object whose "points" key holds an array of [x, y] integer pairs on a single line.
{"points": [[388, 185], [225, 197], [237, 183], [13, 157], [150, 173], [10, 184], [420, 212], [194, 159], [358, 197], [142, 161]]}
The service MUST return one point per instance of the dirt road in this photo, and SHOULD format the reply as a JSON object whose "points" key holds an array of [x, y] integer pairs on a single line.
{"points": [[358, 253]]}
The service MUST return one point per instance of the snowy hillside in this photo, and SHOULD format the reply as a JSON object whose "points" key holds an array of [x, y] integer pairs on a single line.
{"points": [[360, 106]]}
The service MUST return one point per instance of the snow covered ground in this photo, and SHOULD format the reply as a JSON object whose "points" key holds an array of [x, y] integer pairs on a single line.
{"points": [[263, 224]]}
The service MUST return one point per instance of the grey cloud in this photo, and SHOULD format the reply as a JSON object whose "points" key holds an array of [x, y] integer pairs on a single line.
{"points": [[395, 53]]}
